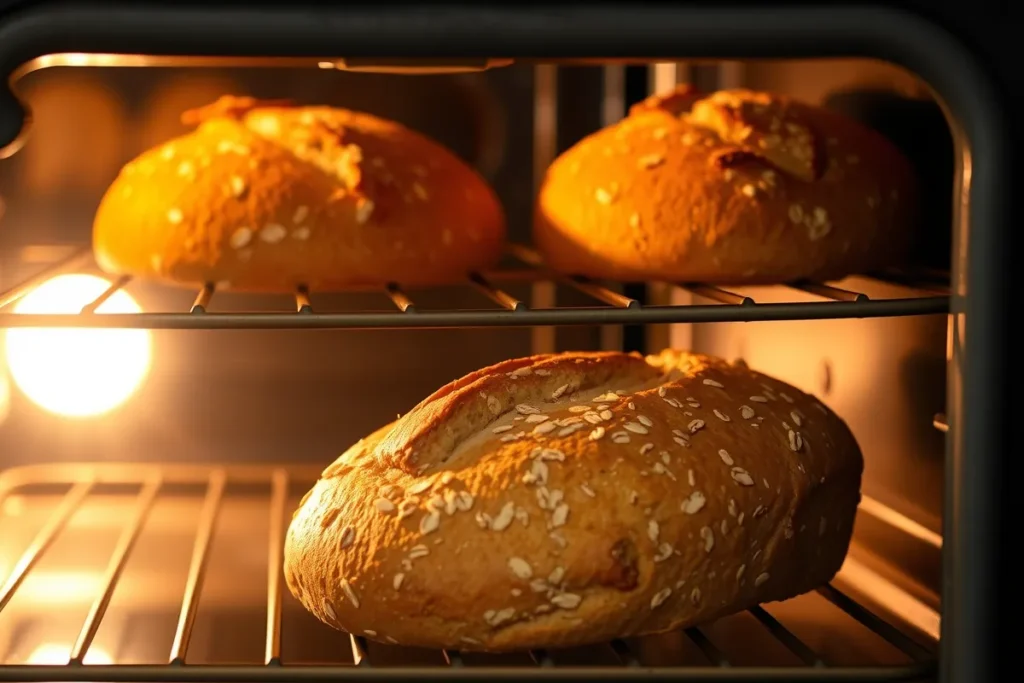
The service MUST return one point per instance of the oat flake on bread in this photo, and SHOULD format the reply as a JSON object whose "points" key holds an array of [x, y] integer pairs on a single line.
{"points": [[566, 499]]}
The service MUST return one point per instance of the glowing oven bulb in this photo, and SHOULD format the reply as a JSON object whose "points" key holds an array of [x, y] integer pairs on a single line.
{"points": [[77, 372]]}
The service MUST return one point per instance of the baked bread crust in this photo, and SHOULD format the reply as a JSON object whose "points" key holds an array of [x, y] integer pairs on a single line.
{"points": [[738, 187], [528, 505], [263, 196]]}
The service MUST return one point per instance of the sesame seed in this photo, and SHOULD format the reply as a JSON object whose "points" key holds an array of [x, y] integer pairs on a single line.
{"points": [[329, 610], [301, 234], [175, 216], [350, 593], [664, 552], [500, 429], [571, 429], [597, 433], [559, 391], [741, 476], [796, 213], [635, 428], [397, 581], [592, 418], [273, 233], [560, 515], [646, 448], [430, 522], [464, 501], [609, 397], [587, 490], [603, 196], [709, 538], [620, 438], [758, 399], [645, 421], [364, 209], [739, 572], [240, 238], [695, 426], [520, 567], [693, 503], [652, 530], [713, 383], [660, 597], [726, 458], [761, 578], [536, 418], [384, 505], [504, 518], [578, 409], [797, 420], [746, 412], [606, 414], [494, 618], [566, 600], [524, 409], [556, 575], [681, 441], [347, 537], [720, 415], [237, 185], [634, 221], [494, 405], [659, 133], [661, 391], [695, 596], [420, 192], [786, 397], [749, 190], [650, 161], [796, 442]]}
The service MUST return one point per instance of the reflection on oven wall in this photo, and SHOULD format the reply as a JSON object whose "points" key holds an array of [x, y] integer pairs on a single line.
{"points": [[205, 395]]}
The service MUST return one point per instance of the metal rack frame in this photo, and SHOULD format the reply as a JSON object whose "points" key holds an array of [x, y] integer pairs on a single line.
{"points": [[923, 293], [80, 480]]}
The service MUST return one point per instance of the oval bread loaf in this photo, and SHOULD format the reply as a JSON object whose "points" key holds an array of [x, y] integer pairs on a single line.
{"points": [[567, 499], [737, 187], [266, 197]]}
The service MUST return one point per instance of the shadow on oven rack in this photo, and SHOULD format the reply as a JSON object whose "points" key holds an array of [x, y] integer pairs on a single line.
{"points": [[903, 293], [123, 572]]}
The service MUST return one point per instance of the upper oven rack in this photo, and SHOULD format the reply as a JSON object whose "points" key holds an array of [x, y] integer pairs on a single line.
{"points": [[920, 293], [75, 483]]}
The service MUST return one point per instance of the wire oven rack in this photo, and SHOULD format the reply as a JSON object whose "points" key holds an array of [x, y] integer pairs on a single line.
{"points": [[147, 482], [922, 292]]}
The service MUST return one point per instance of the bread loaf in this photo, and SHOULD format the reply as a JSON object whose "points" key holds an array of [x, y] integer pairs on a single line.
{"points": [[266, 197], [738, 187], [568, 499]]}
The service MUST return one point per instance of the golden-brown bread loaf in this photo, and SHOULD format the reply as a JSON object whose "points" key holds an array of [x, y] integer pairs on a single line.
{"points": [[567, 499], [737, 187], [263, 196]]}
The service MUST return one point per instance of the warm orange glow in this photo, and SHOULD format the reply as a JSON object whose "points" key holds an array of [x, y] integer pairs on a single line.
{"points": [[57, 653], [77, 372]]}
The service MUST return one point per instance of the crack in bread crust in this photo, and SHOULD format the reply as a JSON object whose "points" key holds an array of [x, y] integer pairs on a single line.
{"points": [[598, 495]]}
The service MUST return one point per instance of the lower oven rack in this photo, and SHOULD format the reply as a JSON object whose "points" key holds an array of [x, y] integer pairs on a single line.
{"points": [[75, 483], [913, 292]]}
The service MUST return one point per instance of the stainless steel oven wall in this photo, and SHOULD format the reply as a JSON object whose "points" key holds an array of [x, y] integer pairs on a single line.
{"points": [[885, 377]]}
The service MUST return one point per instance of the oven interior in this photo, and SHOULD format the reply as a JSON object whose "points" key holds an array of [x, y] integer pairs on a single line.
{"points": [[149, 535]]}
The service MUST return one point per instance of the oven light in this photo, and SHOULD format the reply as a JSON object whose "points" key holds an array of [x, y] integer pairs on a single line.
{"points": [[57, 653], [77, 372]]}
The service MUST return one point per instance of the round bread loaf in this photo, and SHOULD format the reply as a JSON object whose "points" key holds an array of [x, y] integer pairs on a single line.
{"points": [[568, 499], [266, 197], [738, 187]]}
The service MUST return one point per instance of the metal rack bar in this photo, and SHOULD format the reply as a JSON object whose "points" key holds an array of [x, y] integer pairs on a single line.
{"points": [[622, 651], [829, 292], [717, 294], [714, 655], [453, 658], [116, 285], [399, 298], [115, 567], [202, 301], [197, 568], [541, 658], [890, 633], [44, 539], [275, 557], [359, 657], [19, 290], [583, 284], [647, 315], [496, 295], [302, 304], [787, 638]]}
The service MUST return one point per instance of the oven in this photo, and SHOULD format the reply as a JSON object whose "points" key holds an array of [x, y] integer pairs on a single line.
{"points": [[154, 441]]}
